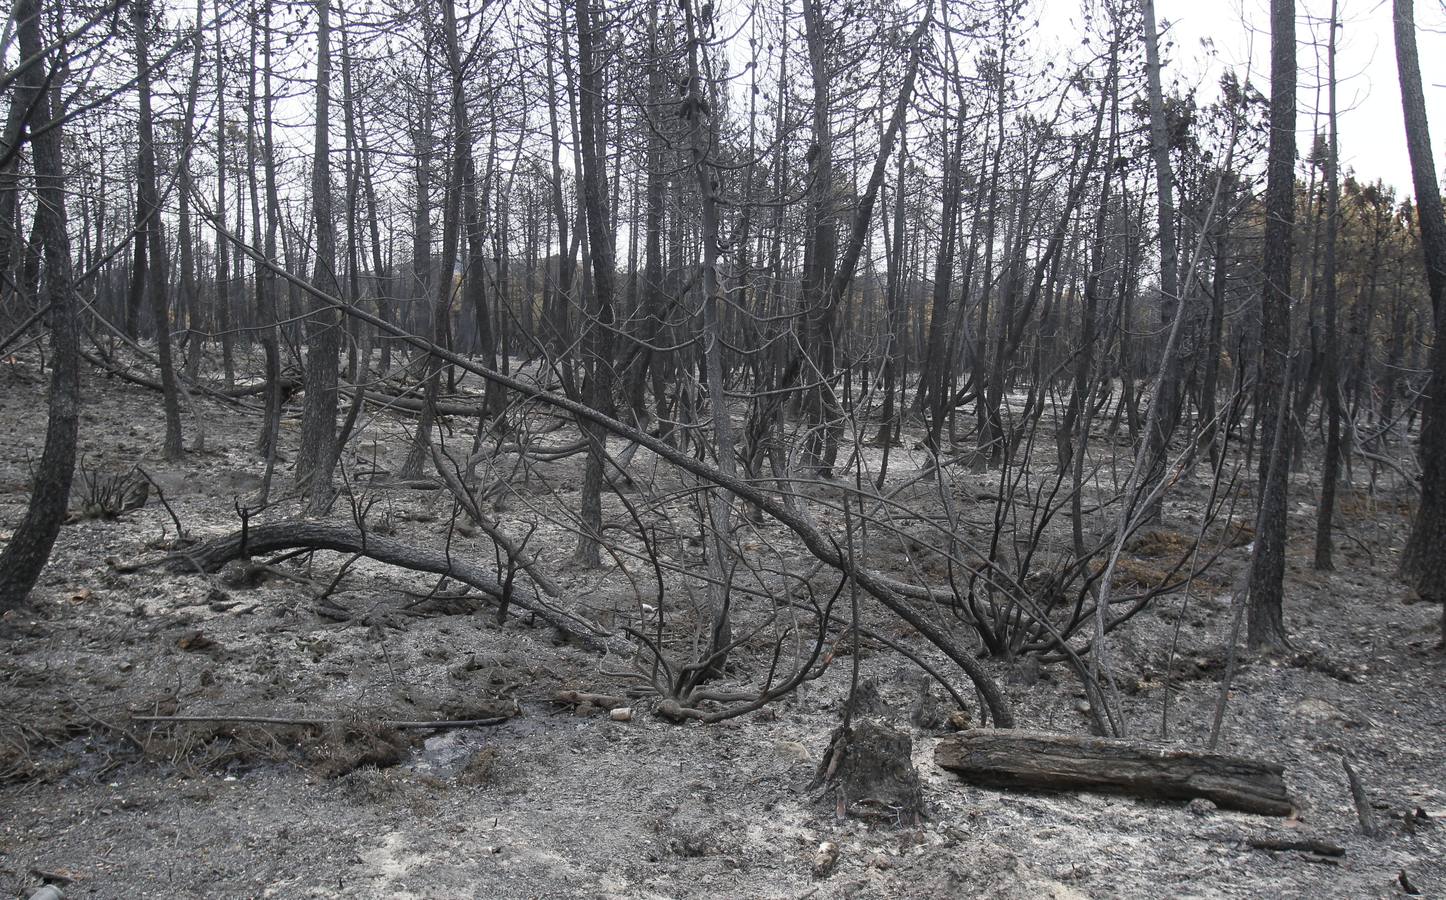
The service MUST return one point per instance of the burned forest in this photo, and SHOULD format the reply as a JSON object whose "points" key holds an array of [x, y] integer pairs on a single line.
{"points": [[818, 448]]}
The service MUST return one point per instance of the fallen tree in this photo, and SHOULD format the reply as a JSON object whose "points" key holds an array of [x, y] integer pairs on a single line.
{"points": [[273, 538], [1058, 762]]}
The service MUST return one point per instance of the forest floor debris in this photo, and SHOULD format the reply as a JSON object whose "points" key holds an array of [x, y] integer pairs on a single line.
{"points": [[563, 801]]}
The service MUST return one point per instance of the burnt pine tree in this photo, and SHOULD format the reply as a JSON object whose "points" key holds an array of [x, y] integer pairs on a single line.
{"points": [[1267, 571], [150, 231], [598, 354], [1330, 370], [29, 548], [1424, 563], [318, 454]]}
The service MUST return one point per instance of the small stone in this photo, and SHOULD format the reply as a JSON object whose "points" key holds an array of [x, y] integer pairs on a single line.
{"points": [[621, 714], [1202, 807], [824, 859], [196, 641]]}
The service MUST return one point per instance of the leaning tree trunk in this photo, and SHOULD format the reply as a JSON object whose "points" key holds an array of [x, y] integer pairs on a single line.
{"points": [[29, 548], [1424, 561]]}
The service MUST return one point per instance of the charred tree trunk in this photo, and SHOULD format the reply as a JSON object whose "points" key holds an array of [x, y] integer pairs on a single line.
{"points": [[223, 247], [1424, 562], [29, 547], [598, 360], [317, 457], [1267, 573], [152, 232], [1167, 391], [1330, 370]]}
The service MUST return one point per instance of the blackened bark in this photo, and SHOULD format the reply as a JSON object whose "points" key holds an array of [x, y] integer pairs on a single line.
{"points": [[1267, 573], [29, 548], [318, 453], [598, 357], [1330, 370], [152, 233], [1167, 391], [1424, 562]]}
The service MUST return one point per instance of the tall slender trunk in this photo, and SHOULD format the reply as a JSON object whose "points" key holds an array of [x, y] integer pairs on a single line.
{"points": [[10, 185], [556, 311], [1423, 561], [598, 357], [28, 549], [695, 111], [1267, 573], [1214, 346], [317, 456], [190, 295], [1330, 374], [895, 317], [268, 297], [153, 233], [223, 248], [650, 311], [820, 247], [938, 368], [1167, 392], [451, 230]]}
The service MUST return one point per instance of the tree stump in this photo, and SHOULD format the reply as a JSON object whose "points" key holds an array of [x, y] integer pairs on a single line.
{"points": [[868, 773]]}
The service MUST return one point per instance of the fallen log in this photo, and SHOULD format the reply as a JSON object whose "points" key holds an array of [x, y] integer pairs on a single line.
{"points": [[413, 406], [1298, 845], [1036, 760], [288, 385], [258, 539], [399, 725]]}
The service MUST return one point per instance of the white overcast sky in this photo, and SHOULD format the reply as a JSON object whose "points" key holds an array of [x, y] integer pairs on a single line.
{"points": [[1373, 141]]}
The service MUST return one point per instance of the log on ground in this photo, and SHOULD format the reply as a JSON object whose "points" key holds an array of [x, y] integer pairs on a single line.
{"points": [[1041, 761], [280, 536]]}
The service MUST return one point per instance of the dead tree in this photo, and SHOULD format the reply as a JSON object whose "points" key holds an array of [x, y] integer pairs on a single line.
{"points": [[1423, 561], [150, 231], [318, 455], [1267, 574], [29, 547]]}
